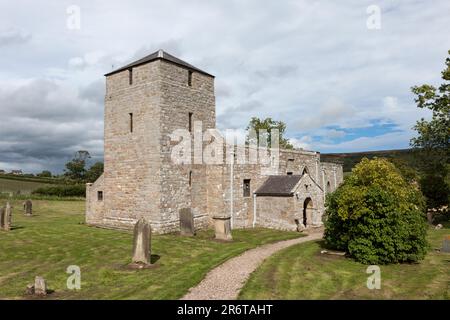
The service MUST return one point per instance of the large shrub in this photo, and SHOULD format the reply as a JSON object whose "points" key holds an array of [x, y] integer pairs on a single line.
{"points": [[76, 190], [376, 216]]}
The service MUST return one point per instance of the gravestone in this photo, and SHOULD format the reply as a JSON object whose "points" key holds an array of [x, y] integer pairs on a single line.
{"points": [[446, 245], [222, 227], [141, 244], [40, 287], [2, 218], [7, 217], [28, 207], [187, 227]]}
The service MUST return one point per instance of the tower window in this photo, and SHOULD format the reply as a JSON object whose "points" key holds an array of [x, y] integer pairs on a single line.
{"points": [[190, 78], [131, 121], [190, 178], [130, 76], [289, 173], [100, 195], [246, 187], [190, 121]]}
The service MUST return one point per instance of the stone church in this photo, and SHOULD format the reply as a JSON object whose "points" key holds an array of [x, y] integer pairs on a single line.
{"points": [[145, 102]]}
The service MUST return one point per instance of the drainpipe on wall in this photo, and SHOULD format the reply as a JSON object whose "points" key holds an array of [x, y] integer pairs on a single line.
{"points": [[254, 210], [231, 189]]}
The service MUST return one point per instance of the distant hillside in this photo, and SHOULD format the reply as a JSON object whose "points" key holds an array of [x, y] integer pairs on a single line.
{"points": [[349, 160]]}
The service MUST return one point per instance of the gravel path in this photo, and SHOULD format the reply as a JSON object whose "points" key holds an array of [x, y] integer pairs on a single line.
{"points": [[226, 281]]}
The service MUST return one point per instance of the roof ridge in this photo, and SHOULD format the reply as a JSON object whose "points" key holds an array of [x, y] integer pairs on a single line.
{"points": [[162, 55]]}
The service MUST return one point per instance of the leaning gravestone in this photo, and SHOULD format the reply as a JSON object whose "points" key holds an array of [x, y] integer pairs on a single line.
{"points": [[28, 207], [187, 227], [222, 226], [7, 217], [141, 244]]}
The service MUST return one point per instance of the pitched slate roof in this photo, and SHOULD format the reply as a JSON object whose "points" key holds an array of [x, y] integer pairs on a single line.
{"points": [[278, 185], [159, 55]]}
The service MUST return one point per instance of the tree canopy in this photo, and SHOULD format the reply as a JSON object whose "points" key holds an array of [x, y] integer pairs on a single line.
{"points": [[376, 215], [268, 124]]}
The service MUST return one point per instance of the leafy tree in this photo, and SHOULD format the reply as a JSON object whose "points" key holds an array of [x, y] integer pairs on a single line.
{"points": [[45, 174], [269, 124], [94, 172], [376, 215], [76, 168], [433, 139]]}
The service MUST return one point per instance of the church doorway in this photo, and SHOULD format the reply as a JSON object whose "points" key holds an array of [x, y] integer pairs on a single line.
{"points": [[307, 211]]}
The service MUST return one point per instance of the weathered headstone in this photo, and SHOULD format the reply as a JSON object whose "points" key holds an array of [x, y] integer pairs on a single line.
{"points": [[430, 217], [187, 227], [2, 218], [28, 207], [7, 217], [446, 244], [141, 244], [438, 226], [40, 287], [222, 227]]}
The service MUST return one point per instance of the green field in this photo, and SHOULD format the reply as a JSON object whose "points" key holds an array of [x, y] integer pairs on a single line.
{"points": [[350, 159], [55, 238], [18, 186], [302, 272]]}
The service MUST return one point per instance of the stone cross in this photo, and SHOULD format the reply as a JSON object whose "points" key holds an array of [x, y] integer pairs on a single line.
{"points": [[222, 227], [187, 227], [28, 207], [40, 287], [141, 244], [7, 217]]}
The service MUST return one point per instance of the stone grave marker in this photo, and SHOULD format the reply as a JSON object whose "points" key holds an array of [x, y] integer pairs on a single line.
{"points": [[222, 227], [446, 244], [40, 287], [28, 207], [2, 218], [141, 244], [7, 217], [187, 227]]}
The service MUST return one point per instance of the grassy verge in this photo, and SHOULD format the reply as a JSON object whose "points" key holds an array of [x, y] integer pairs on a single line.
{"points": [[55, 237], [302, 272]]}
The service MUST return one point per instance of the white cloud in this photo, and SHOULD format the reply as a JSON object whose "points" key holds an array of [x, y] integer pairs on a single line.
{"points": [[312, 64]]}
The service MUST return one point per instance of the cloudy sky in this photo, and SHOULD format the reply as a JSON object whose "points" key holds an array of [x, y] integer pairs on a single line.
{"points": [[339, 77]]}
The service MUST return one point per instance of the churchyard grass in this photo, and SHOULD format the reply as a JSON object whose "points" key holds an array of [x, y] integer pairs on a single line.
{"points": [[302, 272], [56, 237]]}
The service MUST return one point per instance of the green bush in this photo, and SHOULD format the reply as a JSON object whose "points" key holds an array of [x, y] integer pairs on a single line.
{"points": [[376, 216], [76, 190]]}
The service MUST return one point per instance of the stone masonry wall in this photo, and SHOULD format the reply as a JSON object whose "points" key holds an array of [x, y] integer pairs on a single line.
{"points": [[178, 100]]}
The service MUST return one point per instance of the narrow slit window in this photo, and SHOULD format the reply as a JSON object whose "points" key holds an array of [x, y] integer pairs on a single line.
{"points": [[289, 173], [246, 187], [190, 78], [130, 76], [190, 178], [131, 121], [100, 195], [190, 121]]}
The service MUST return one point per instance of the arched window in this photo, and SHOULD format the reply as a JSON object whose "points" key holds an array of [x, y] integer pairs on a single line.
{"points": [[328, 187], [305, 171]]}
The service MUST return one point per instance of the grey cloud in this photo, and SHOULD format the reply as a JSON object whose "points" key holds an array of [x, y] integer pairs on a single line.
{"points": [[13, 36]]}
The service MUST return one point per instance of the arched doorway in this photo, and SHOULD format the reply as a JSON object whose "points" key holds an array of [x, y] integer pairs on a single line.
{"points": [[307, 211]]}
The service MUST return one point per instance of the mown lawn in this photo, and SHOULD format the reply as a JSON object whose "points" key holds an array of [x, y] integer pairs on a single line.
{"points": [[56, 237], [302, 272]]}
